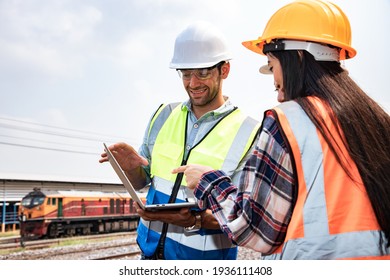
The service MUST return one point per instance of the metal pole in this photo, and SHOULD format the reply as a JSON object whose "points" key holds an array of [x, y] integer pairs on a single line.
{"points": [[3, 218]]}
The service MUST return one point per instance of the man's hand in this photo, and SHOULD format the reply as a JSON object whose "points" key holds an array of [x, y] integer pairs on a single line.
{"points": [[126, 156], [130, 162], [182, 218]]}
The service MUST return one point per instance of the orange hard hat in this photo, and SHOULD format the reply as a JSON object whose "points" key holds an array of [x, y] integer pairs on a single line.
{"points": [[315, 21]]}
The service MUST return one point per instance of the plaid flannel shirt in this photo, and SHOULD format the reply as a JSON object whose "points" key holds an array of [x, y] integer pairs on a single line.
{"points": [[256, 213]]}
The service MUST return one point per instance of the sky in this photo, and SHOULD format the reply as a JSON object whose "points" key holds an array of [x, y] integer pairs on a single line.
{"points": [[75, 74]]}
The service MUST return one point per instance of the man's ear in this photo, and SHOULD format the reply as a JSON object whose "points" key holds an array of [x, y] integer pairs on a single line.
{"points": [[225, 69]]}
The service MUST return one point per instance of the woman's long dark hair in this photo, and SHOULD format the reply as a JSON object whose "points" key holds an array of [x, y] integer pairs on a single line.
{"points": [[364, 125]]}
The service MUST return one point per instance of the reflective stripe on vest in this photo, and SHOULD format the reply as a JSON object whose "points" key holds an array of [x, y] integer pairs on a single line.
{"points": [[223, 148], [159, 119], [333, 217]]}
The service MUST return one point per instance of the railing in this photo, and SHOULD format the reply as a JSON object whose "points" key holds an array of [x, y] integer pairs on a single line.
{"points": [[10, 218]]}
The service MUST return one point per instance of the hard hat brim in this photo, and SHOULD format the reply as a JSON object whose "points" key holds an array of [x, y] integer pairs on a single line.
{"points": [[197, 65]]}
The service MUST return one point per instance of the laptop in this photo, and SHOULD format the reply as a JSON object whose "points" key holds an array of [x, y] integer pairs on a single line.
{"points": [[134, 195]]}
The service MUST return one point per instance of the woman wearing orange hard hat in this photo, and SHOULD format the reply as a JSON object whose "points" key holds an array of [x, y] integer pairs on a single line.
{"points": [[317, 184]]}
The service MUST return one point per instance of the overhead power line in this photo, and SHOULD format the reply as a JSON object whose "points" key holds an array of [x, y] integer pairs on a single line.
{"points": [[61, 145], [46, 148], [35, 130], [44, 141], [62, 128]]}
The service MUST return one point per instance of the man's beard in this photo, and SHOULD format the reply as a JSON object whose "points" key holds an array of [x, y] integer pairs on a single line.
{"points": [[209, 98]]}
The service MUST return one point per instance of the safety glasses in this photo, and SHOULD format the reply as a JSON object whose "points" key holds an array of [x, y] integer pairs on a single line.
{"points": [[201, 73]]}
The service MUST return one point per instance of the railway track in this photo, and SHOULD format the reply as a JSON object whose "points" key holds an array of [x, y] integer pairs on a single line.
{"points": [[105, 250], [85, 247], [39, 244], [14, 242], [121, 256], [115, 246]]}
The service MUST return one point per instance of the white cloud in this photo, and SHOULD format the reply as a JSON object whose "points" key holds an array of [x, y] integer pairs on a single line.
{"points": [[48, 37]]}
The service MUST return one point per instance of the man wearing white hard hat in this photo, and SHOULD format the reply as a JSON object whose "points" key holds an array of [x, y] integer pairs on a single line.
{"points": [[205, 129]]}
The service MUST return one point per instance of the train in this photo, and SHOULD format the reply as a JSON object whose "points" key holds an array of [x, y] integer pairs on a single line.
{"points": [[52, 214]]}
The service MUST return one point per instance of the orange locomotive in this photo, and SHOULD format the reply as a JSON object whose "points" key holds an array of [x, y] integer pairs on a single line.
{"points": [[66, 213]]}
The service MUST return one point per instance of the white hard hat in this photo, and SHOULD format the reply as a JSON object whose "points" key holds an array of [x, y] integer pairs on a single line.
{"points": [[200, 45]]}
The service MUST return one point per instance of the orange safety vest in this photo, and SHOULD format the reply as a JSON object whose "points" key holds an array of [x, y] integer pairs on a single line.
{"points": [[333, 217]]}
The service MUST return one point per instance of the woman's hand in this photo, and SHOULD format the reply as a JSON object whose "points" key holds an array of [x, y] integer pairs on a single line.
{"points": [[193, 173]]}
